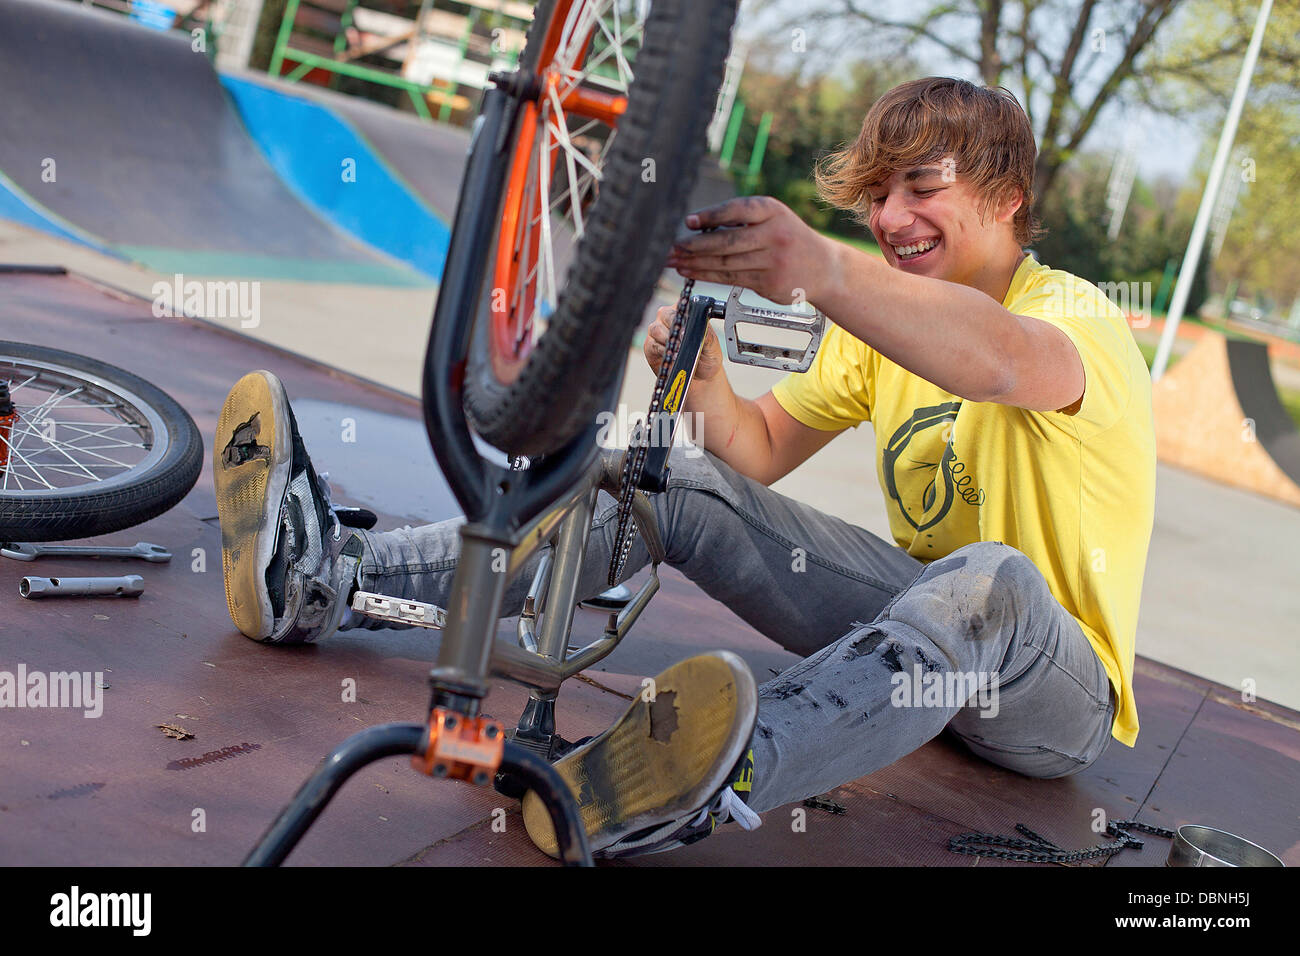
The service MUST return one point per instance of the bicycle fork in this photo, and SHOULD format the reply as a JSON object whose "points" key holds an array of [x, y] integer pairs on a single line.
{"points": [[457, 742]]}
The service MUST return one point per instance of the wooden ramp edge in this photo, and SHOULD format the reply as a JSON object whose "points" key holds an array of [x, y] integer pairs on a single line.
{"points": [[1201, 425]]}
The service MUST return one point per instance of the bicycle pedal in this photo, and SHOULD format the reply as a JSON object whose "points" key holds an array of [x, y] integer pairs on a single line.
{"points": [[396, 610], [362, 518], [745, 352]]}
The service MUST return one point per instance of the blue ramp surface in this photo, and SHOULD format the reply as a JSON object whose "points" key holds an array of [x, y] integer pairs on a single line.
{"points": [[123, 136], [333, 169]]}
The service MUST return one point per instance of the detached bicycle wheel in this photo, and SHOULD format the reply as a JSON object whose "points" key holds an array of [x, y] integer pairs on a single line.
{"points": [[607, 147], [85, 447]]}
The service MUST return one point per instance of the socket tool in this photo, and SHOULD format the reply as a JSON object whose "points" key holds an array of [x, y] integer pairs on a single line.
{"points": [[21, 551], [128, 585]]}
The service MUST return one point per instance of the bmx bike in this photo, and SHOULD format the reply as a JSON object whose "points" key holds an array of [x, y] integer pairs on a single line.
{"points": [[530, 363]]}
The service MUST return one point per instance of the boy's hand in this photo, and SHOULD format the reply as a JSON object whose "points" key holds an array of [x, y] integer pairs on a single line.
{"points": [[656, 340], [772, 251]]}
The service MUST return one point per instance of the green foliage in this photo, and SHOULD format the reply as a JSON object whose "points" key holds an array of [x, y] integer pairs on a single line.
{"points": [[1262, 244], [811, 116], [1156, 228]]}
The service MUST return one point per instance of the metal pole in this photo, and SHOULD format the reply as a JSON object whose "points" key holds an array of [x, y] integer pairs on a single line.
{"points": [[1190, 259], [1123, 172], [1223, 208], [727, 97]]}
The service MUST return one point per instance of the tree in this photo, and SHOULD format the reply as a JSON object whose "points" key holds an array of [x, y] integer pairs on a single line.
{"points": [[1067, 60], [812, 113], [1262, 243], [1157, 226]]}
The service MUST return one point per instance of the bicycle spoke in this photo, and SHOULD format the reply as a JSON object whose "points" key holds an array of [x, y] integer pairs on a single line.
{"points": [[84, 428], [13, 388], [65, 435], [605, 36], [14, 451]]}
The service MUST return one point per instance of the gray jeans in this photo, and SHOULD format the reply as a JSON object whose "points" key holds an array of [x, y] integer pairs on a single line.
{"points": [[895, 650]]}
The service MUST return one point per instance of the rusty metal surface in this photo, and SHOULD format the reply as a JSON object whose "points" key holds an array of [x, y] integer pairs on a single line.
{"points": [[116, 790]]}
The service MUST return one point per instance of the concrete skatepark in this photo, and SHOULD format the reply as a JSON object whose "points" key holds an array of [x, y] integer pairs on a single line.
{"points": [[344, 316]]}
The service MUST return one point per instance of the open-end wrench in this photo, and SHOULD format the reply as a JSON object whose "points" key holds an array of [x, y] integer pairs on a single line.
{"points": [[129, 585], [30, 552]]}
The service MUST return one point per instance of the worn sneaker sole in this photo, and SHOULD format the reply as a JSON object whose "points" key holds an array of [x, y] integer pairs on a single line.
{"points": [[663, 759], [252, 455]]}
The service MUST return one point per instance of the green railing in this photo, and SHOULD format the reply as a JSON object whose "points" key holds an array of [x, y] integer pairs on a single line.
{"points": [[418, 92], [727, 155], [448, 88]]}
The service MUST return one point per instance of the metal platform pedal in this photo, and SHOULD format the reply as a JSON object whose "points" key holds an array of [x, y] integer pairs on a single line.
{"points": [[771, 356], [397, 610]]}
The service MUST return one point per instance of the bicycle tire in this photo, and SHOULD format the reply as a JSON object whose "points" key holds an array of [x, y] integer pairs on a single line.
{"points": [[100, 508], [561, 387]]}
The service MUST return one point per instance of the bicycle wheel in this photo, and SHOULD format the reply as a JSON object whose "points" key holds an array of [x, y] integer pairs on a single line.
{"points": [[90, 448], [605, 156]]}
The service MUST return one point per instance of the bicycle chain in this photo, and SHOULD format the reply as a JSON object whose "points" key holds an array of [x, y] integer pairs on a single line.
{"points": [[1038, 849], [638, 446]]}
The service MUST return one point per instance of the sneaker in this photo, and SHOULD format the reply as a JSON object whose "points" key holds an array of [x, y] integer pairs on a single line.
{"points": [[731, 803], [287, 565], [666, 773]]}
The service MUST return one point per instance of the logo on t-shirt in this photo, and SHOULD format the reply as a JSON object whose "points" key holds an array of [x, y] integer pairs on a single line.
{"points": [[922, 473]]}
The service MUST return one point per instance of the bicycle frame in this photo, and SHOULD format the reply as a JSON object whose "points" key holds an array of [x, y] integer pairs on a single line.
{"points": [[514, 512], [520, 511]]}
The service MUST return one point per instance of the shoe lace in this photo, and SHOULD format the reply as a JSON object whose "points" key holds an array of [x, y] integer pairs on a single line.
{"points": [[728, 805]]}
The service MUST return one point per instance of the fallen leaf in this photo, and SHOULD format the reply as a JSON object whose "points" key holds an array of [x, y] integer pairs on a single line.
{"points": [[172, 730]]}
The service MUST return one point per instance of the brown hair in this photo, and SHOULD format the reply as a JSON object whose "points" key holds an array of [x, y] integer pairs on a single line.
{"points": [[921, 121]]}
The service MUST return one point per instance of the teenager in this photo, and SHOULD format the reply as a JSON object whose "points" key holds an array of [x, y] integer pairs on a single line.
{"points": [[1014, 444]]}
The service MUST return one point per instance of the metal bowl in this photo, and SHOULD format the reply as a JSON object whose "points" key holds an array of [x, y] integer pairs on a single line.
{"points": [[1205, 846]]}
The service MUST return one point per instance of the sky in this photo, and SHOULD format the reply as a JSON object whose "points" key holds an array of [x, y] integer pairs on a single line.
{"points": [[1167, 146]]}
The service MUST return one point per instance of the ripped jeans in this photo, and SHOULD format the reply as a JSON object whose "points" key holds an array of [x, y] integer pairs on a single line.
{"points": [[894, 650]]}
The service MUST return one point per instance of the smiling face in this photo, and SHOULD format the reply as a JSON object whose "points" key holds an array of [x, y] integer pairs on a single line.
{"points": [[927, 221]]}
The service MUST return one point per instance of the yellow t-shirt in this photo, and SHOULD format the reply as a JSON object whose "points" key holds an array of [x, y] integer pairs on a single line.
{"points": [[1075, 493]]}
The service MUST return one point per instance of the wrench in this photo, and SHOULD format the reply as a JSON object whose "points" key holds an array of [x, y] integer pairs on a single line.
{"points": [[129, 585], [30, 552]]}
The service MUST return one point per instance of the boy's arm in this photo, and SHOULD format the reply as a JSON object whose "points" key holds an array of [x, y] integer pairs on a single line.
{"points": [[952, 335], [758, 437]]}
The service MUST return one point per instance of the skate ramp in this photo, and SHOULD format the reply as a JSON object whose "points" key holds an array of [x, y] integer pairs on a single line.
{"points": [[322, 157], [124, 137], [1217, 413]]}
